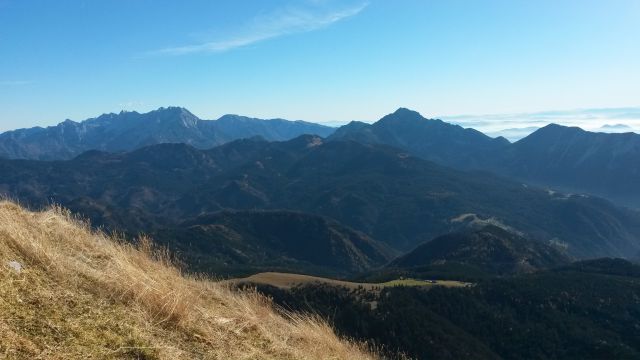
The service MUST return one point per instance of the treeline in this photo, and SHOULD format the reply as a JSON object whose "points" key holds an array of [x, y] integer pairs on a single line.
{"points": [[590, 310]]}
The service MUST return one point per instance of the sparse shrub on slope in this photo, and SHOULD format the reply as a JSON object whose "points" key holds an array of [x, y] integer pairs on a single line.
{"points": [[67, 292]]}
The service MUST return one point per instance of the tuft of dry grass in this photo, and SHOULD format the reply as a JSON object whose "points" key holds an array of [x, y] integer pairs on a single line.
{"points": [[84, 294]]}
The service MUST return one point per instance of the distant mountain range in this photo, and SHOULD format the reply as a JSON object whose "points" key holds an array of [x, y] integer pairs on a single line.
{"points": [[574, 160], [385, 193], [431, 139], [129, 131], [562, 158], [565, 158]]}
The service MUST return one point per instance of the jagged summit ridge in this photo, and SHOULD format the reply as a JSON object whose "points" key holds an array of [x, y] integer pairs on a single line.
{"points": [[128, 131]]}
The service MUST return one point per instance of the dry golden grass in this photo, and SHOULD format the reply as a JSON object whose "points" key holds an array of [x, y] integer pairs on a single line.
{"points": [[84, 295]]}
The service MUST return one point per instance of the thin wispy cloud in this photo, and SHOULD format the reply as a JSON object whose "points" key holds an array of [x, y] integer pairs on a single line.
{"points": [[302, 17]]}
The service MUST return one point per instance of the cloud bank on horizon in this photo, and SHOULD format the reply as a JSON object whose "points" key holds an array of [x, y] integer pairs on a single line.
{"points": [[516, 126], [293, 18]]}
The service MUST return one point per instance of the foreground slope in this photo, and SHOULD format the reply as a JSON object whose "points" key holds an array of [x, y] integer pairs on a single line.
{"points": [[67, 292]]}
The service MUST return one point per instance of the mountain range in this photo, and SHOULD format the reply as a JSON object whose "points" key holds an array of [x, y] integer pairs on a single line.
{"points": [[370, 190], [128, 131], [574, 160], [431, 139], [563, 158], [395, 198]]}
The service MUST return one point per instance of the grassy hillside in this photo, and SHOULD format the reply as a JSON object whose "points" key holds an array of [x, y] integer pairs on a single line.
{"points": [[67, 292]]}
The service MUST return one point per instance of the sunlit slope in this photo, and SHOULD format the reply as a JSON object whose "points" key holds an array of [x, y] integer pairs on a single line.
{"points": [[67, 292]]}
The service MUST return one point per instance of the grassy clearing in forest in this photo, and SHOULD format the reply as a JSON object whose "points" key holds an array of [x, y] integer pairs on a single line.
{"points": [[288, 280]]}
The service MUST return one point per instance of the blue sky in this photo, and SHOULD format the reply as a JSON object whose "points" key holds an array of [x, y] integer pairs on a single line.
{"points": [[318, 60]]}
